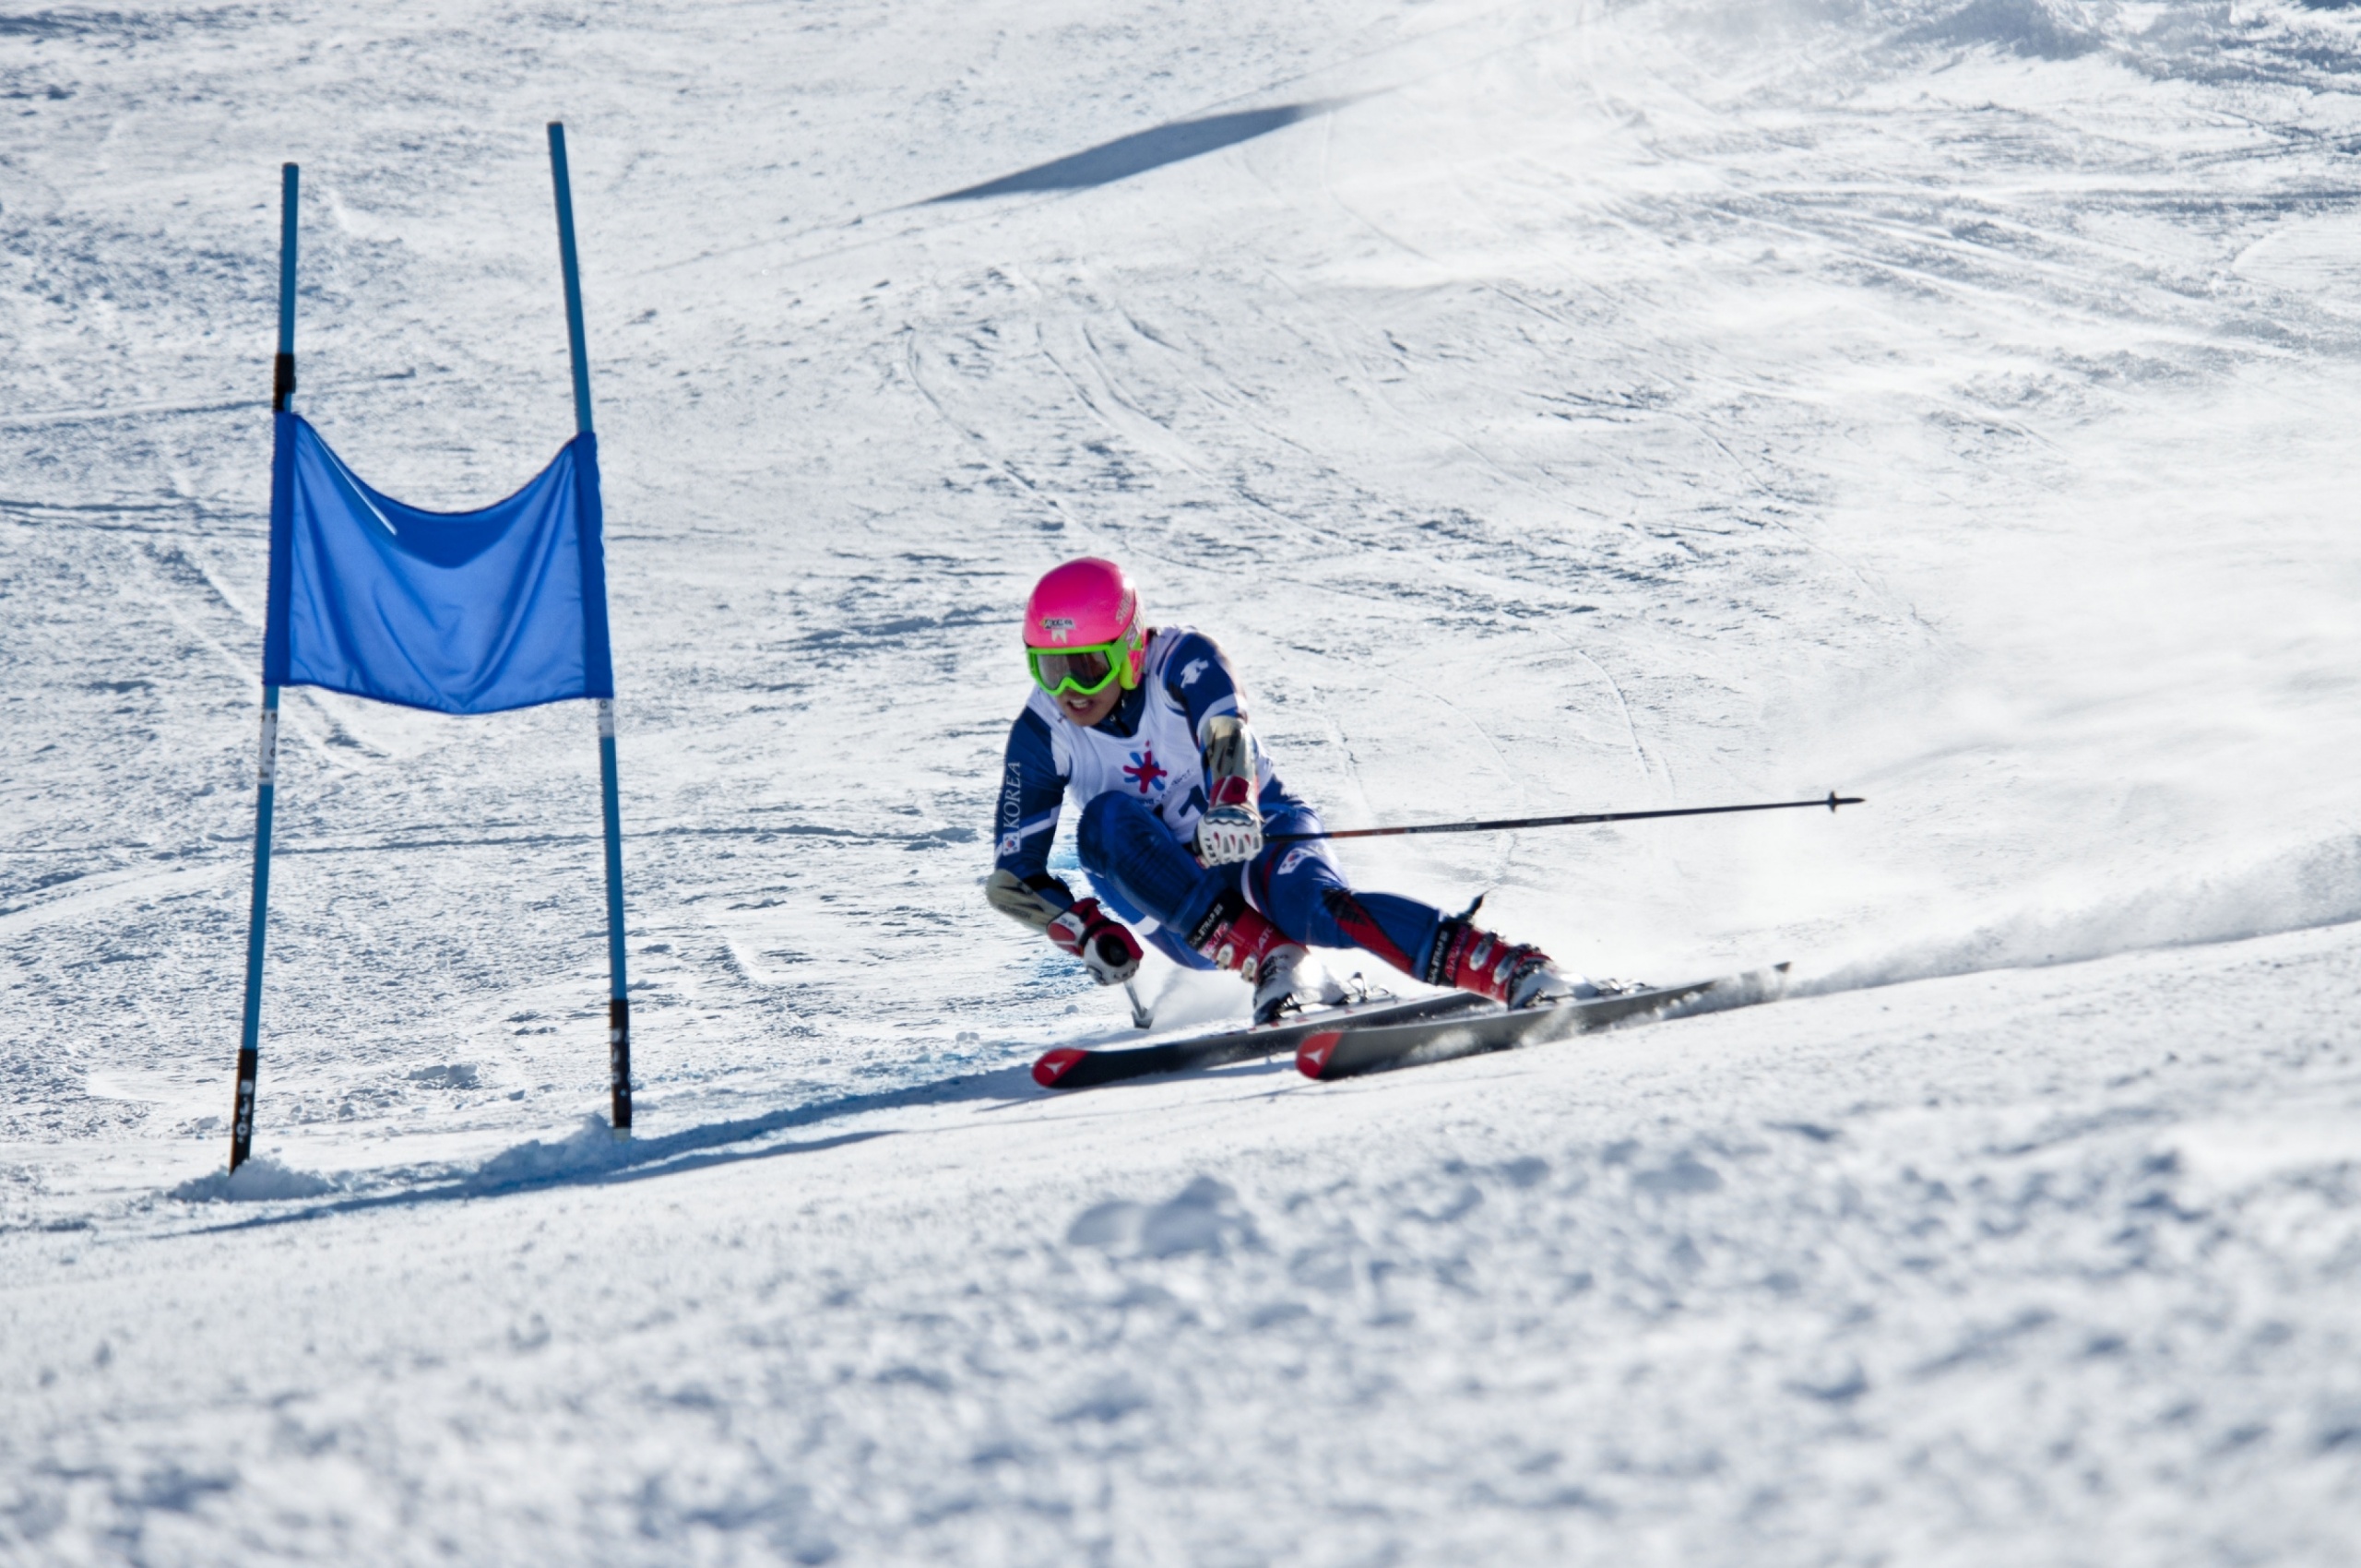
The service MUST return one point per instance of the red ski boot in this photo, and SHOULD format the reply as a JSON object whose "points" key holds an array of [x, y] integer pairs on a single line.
{"points": [[1236, 936], [1472, 958]]}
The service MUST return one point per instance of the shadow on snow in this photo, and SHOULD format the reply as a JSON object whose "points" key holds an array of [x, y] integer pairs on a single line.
{"points": [[1142, 150], [592, 1156]]}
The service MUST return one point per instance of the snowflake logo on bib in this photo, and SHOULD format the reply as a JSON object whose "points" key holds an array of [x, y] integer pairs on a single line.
{"points": [[1142, 771]]}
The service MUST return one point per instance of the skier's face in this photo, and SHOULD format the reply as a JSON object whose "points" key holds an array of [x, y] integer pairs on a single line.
{"points": [[1087, 711]]}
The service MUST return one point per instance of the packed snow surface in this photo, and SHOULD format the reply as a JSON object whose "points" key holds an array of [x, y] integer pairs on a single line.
{"points": [[1550, 407]]}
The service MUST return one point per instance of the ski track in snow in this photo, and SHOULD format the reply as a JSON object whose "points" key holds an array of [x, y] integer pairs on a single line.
{"points": [[1575, 407]]}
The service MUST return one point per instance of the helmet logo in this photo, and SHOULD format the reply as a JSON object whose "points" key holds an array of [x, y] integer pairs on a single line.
{"points": [[1058, 626]]}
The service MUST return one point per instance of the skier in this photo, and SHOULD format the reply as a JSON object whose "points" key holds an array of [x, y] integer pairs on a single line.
{"points": [[1148, 730]]}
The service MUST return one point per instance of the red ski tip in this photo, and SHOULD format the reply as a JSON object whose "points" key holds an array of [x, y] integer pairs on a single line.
{"points": [[1052, 1065], [1311, 1056]]}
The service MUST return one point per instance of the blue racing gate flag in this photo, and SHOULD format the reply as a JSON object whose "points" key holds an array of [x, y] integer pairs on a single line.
{"points": [[456, 611]]}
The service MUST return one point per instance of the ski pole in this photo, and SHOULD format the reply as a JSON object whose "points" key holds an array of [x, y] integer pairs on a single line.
{"points": [[1500, 825]]}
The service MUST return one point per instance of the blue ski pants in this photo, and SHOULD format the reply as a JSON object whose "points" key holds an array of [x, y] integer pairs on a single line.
{"points": [[1138, 869]]}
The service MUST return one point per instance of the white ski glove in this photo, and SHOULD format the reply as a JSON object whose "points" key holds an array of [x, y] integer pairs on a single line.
{"points": [[1230, 833], [1109, 951], [1231, 830]]}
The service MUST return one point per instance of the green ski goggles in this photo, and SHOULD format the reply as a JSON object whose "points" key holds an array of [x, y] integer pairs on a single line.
{"points": [[1086, 672]]}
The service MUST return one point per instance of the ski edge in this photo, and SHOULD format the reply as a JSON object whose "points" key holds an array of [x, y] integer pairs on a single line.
{"points": [[1080, 1067], [1317, 1057]]}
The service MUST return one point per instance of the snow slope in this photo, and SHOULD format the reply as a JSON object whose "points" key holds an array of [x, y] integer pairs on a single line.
{"points": [[1550, 407]]}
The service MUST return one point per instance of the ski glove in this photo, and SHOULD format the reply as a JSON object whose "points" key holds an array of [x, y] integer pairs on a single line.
{"points": [[1106, 949], [1231, 828], [1230, 833]]}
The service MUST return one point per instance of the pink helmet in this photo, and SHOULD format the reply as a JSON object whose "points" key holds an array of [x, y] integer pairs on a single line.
{"points": [[1087, 604]]}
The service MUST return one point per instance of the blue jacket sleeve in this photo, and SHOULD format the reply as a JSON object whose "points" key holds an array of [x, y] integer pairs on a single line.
{"points": [[1025, 820], [1199, 678]]}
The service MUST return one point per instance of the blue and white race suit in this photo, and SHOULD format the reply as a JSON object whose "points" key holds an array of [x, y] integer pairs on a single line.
{"points": [[1138, 777]]}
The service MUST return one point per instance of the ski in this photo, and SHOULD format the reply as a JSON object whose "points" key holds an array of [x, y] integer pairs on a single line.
{"points": [[1072, 1067], [1333, 1052]]}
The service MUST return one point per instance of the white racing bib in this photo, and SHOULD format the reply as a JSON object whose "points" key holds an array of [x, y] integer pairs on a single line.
{"points": [[1160, 766]]}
